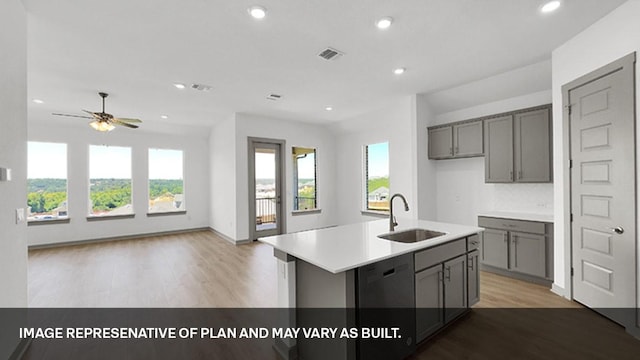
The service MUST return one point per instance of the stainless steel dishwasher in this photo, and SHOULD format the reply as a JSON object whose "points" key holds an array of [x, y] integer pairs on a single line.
{"points": [[386, 300]]}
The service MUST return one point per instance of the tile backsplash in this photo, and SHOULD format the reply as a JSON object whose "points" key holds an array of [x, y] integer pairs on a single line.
{"points": [[534, 198]]}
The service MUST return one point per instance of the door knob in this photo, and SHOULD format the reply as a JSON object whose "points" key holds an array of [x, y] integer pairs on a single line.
{"points": [[618, 230]]}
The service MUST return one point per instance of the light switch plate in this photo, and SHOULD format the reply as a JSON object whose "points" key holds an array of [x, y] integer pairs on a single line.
{"points": [[5, 174], [19, 215]]}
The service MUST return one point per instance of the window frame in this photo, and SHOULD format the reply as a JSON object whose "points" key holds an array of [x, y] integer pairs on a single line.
{"points": [[178, 211], [58, 219], [93, 217], [316, 208], [365, 180]]}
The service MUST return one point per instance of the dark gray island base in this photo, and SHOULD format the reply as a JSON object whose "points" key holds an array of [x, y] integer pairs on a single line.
{"points": [[396, 303]]}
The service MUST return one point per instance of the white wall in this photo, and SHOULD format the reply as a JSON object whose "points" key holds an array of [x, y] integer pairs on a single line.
{"points": [[461, 191], [425, 184], [394, 122], [78, 138], [609, 39], [294, 134], [222, 159], [13, 155]]}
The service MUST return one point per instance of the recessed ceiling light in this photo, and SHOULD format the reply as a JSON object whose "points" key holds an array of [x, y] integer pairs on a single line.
{"points": [[399, 71], [550, 6], [179, 86], [38, 101], [257, 12], [164, 117], [384, 23], [328, 108]]}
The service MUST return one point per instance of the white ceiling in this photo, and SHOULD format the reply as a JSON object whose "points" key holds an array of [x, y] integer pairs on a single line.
{"points": [[136, 50]]}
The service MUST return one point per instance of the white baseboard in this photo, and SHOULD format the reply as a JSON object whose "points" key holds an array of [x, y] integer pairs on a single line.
{"points": [[560, 291], [225, 237]]}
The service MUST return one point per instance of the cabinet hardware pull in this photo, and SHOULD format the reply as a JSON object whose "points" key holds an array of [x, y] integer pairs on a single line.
{"points": [[519, 174], [448, 277], [510, 174], [505, 238], [440, 276], [451, 150], [470, 259], [457, 150]]}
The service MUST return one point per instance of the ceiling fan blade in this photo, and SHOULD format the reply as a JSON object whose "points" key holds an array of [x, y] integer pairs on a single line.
{"points": [[69, 115], [121, 123], [127, 120], [95, 115]]}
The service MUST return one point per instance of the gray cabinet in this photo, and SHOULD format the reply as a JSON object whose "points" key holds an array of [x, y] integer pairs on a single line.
{"points": [[498, 159], [527, 253], [495, 251], [518, 147], [532, 146], [455, 287], [518, 248], [442, 285], [441, 143], [456, 140], [467, 139], [473, 275], [429, 301]]}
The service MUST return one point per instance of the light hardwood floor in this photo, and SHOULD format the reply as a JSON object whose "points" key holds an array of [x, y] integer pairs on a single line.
{"points": [[514, 319]]}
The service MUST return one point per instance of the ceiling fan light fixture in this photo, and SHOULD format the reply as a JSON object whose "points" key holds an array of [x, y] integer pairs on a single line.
{"points": [[179, 86], [101, 126]]}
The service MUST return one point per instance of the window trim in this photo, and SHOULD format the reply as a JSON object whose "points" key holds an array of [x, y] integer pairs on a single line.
{"points": [[57, 220], [316, 208], [161, 213], [91, 216], [365, 180]]}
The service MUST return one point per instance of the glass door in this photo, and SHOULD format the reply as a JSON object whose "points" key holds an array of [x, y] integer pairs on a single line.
{"points": [[265, 188]]}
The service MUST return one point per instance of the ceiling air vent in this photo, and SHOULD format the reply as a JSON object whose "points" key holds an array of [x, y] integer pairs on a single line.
{"points": [[330, 54], [274, 97], [201, 87]]}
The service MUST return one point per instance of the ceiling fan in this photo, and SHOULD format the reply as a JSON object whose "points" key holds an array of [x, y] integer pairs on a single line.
{"points": [[103, 121]]}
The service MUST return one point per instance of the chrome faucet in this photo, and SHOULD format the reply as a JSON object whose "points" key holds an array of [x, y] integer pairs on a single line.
{"points": [[392, 219]]}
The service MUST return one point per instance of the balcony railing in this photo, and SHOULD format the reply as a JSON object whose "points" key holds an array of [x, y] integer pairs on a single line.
{"points": [[265, 210]]}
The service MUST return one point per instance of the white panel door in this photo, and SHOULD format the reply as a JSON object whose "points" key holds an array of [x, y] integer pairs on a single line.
{"points": [[603, 191]]}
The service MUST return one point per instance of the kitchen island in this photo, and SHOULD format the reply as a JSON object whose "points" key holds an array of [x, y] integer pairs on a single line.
{"points": [[350, 267]]}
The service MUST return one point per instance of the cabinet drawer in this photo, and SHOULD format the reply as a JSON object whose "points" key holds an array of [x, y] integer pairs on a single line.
{"points": [[473, 242], [438, 254], [511, 225]]}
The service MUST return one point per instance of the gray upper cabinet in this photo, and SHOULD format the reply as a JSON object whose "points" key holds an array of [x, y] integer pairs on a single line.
{"points": [[456, 140], [440, 143], [498, 160], [518, 147], [467, 139], [532, 146]]}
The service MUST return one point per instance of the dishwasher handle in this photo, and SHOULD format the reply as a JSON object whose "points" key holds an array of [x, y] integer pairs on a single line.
{"points": [[389, 272]]}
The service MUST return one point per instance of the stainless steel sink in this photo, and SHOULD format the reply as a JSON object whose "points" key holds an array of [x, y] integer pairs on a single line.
{"points": [[411, 235]]}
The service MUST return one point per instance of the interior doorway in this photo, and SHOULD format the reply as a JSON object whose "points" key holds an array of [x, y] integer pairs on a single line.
{"points": [[266, 176], [601, 113]]}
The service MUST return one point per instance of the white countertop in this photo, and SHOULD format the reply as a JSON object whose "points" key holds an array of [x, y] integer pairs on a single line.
{"points": [[347, 247], [519, 215]]}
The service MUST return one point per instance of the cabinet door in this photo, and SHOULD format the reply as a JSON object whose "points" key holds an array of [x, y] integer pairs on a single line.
{"points": [[429, 301], [473, 274], [440, 143], [532, 146], [495, 248], [455, 287], [527, 253], [498, 155], [467, 139]]}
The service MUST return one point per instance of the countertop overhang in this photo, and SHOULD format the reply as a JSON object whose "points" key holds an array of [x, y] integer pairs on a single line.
{"points": [[342, 248]]}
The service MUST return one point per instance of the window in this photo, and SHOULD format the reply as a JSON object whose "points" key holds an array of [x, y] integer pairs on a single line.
{"points": [[304, 179], [109, 180], [376, 181], [166, 183], [47, 181]]}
